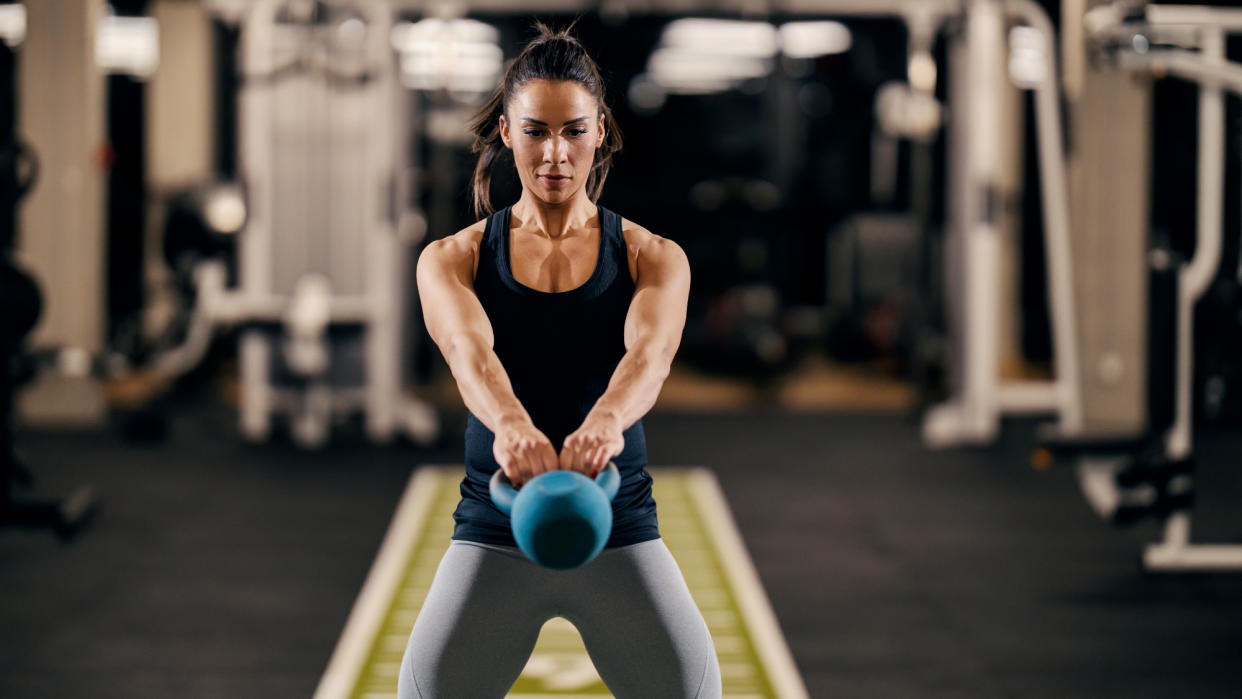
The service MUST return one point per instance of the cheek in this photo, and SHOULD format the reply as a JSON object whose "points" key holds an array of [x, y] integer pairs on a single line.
{"points": [[524, 154], [585, 149]]}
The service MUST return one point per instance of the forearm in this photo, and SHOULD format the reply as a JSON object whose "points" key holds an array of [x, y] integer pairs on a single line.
{"points": [[635, 384], [481, 379]]}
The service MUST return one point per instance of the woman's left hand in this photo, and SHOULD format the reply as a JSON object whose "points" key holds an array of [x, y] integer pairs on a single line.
{"points": [[589, 448]]}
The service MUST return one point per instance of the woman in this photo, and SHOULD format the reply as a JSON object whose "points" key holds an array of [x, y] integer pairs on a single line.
{"points": [[559, 320]]}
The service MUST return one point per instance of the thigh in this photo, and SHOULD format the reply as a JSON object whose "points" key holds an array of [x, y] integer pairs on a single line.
{"points": [[477, 627], [641, 627]]}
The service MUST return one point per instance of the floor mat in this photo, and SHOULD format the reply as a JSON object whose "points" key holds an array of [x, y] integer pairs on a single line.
{"points": [[697, 528]]}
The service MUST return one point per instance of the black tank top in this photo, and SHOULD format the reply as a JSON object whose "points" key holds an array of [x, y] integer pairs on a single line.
{"points": [[559, 351]]}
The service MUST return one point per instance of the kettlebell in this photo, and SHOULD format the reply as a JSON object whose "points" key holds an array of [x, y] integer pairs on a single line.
{"points": [[560, 519]]}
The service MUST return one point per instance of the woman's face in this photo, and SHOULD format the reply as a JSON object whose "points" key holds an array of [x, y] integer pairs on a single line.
{"points": [[553, 128]]}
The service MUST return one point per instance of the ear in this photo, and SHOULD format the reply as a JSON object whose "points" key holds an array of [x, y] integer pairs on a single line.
{"points": [[504, 131], [600, 131]]}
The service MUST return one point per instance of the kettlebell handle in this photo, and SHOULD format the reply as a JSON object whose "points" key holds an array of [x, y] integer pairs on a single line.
{"points": [[503, 492]]}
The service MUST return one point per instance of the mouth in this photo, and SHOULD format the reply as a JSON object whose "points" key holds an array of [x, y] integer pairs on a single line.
{"points": [[554, 180]]}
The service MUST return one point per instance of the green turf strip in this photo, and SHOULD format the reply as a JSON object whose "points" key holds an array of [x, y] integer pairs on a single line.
{"points": [[559, 665]]}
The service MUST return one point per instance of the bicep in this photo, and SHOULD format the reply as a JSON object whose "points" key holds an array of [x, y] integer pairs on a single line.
{"points": [[658, 310], [451, 309]]}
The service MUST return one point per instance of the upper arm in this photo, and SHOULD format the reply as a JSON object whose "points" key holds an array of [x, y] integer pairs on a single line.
{"points": [[451, 309], [657, 312]]}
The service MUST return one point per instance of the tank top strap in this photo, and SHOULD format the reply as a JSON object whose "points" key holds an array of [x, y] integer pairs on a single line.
{"points": [[610, 228], [614, 247], [492, 247]]}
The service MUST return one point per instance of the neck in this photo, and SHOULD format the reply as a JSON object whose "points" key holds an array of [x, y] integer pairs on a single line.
{"points": [[554, 220]]}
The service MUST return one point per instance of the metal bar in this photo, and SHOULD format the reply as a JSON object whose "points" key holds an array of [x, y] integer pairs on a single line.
{"points": [[1029, 397], [1175, 552], [1229, 21], [1199, 558], [1196, 276], [1214, 73], [985, 36], [1053, 173]]}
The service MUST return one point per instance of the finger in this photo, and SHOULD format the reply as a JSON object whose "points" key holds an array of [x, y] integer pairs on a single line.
{"points": [[595, 461], [598, 459], [546, 457], [522, 454], [506, 465], [608, 453], [582, 456], [534, 458], [508, 456], [577, 454]]}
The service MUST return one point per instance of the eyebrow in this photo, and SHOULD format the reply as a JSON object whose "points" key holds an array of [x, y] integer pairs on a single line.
{"points": [[541, 123]]}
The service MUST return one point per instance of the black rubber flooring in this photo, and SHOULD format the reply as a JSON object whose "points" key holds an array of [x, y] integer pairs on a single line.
{"points": [[218, 569]]}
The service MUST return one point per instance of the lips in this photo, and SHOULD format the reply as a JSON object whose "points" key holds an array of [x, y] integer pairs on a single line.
{"points": [[554, 181]]}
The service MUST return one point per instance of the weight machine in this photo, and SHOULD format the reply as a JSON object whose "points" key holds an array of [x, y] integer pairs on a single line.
{"points": [[979, 397], [319, 295], [1150, 473]]}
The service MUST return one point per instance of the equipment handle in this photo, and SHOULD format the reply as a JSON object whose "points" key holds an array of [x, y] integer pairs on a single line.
{"points": [[502, 490], [503, 493], [609, 479]]}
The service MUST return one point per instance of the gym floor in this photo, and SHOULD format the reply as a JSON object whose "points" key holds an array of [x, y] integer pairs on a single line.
{"points": [[219, 569]]}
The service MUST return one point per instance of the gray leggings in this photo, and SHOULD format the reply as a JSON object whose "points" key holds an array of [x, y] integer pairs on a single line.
{"points": [[487, 603]]}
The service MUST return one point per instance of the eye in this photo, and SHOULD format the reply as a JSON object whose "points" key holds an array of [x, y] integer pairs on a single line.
{"points": [[533, 133], [577, 132]]}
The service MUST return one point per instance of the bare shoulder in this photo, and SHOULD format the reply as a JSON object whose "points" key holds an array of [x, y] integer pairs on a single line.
{"points": [[458, 251], [646, 247]]}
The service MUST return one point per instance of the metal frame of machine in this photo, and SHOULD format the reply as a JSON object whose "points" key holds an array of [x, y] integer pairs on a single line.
{"points": [[320, 263], [1186, 28]]}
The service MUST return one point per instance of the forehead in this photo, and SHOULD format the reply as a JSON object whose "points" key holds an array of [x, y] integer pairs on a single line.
{"points": [[553, 98]]}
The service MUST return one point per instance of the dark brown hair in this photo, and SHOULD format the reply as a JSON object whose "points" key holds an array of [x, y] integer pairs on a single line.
{"points": [[549, 56]]}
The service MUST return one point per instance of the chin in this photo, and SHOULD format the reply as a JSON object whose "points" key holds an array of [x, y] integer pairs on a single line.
{"points": [[556, 197]]}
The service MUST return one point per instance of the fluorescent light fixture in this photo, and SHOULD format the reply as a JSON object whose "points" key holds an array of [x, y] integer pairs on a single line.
{"points": [[679, 64], [697, 87], [460, 55], [722, 37], [12, 24], [698, 56], [812, 39], [409, 36], [128, 45]]}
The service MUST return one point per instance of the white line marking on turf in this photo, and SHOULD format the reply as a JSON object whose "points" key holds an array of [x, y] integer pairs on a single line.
{"points": [[769, 641], [378, 590]]}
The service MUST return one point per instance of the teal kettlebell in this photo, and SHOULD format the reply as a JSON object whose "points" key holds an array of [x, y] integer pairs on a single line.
{"points": [[560, 519]]}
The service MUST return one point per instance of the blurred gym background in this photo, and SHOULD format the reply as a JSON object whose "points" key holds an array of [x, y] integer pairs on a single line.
{"points": [[963, 347]]}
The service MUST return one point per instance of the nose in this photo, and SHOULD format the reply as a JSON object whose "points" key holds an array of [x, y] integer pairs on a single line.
{"points": [[556, 150]]}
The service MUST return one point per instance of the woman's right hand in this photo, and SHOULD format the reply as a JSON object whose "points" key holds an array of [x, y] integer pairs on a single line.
{"points": [[523, 452]]}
